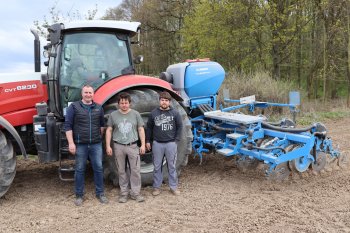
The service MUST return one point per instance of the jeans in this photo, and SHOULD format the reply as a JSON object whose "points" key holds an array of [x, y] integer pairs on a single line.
{"points": [[169, 150], [94, 153]]}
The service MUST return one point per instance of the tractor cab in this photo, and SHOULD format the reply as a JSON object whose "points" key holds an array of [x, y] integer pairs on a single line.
{"points": [[86, 52]]}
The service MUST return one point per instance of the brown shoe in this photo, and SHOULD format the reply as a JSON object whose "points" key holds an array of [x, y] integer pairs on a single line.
{"points": [[138, 198], [156, 192], [175, 192], [123, 199]]}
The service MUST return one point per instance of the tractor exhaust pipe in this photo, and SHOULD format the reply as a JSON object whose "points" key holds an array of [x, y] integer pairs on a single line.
{"points": [[37, 67]]}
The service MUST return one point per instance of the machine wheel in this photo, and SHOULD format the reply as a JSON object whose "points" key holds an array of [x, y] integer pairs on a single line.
{"points": [[7, 164], [144, 101], [320, 161], [245, 163], [280, 172], [300, 164]]}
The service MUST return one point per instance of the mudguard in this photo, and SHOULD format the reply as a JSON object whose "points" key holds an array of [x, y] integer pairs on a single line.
{"points": [[4, 123], [119, 84]]}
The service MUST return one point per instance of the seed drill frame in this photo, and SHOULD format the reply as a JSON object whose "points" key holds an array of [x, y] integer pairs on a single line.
{"points": [[281, 147]]}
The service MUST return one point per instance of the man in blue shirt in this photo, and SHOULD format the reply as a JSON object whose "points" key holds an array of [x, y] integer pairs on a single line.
{"points": [[164, 127]]}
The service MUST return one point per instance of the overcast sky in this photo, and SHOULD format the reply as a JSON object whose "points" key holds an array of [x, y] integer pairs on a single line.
{"points": [[18, 16]]}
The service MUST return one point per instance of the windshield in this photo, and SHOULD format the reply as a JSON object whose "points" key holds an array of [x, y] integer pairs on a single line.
{"points": [[91, 58]]}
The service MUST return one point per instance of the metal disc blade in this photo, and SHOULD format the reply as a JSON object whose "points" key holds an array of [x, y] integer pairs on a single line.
{"points": [[280, 172], [320, 161]]}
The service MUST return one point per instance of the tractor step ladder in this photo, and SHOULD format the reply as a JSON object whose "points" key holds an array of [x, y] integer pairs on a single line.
{"points": [[65, 171]]}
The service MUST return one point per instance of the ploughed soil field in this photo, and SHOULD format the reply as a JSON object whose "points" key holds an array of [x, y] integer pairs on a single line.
{"points": [[215, 197]]}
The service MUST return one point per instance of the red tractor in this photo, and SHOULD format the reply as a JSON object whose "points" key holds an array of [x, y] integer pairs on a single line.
{"points": [[33, 105]]}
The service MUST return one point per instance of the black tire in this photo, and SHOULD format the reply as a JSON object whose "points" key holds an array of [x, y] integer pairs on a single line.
{"points": [[7, 164], [144, 101]]}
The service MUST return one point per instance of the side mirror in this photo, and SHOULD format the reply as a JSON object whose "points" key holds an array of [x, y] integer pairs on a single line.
{"points": [[138, 42], [138, 59]]}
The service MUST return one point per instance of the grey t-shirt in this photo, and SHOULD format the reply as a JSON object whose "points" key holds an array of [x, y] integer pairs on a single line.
{"points": [[125, 126]]}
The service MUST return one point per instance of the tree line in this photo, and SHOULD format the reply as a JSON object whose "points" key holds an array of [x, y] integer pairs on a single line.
{"points": [[303, 41]]}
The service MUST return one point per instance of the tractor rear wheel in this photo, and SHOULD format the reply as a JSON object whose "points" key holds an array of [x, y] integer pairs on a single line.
{"points": [[7, 164], [144, 101]]}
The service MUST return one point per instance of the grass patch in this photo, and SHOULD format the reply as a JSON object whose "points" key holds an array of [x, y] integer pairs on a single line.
{"points": [[29, 157], [312, 117]]}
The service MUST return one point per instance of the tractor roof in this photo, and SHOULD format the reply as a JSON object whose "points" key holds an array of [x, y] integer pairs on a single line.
{"points": [[132, 27]]}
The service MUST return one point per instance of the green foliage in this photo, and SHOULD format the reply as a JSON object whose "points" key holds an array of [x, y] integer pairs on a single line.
{"points": [[220, 30], [303, 41]]}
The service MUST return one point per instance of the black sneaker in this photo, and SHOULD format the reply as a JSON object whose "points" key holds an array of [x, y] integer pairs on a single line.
{"points": [[78, 201], [102, 198]]}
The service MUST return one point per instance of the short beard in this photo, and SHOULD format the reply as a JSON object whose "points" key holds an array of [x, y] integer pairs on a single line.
{"points": [[164, 108]]}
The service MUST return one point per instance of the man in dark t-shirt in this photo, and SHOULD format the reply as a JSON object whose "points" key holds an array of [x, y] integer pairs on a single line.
{"points": [[164, 127]]}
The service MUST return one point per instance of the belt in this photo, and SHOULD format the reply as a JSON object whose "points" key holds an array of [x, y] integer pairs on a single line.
{"points": [[128, 144], [165, 141]]}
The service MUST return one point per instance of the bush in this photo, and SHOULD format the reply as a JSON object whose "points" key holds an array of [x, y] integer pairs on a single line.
{"points": [[260, 84]]}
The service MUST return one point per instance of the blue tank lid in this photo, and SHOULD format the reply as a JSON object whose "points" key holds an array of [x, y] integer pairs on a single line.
{"points": [[203, 78]]}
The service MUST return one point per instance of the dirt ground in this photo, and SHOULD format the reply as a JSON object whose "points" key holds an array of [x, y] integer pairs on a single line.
{"points": [[215, 197]]}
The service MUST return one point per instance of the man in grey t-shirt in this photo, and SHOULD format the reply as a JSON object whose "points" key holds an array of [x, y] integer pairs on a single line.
{"points": [[127, 127]]}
